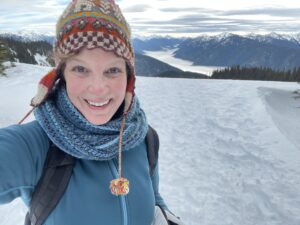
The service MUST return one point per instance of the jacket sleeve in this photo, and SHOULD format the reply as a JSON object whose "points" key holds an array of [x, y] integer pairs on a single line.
{"points": [[155, 183], [172, 219], [23, 150]]}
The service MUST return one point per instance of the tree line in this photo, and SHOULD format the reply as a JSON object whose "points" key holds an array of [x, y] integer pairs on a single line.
{"points": [[256, 73], [4, 56], [25, 52]]}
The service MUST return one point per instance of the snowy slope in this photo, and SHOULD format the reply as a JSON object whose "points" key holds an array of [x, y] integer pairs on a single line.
{"points": [[229, 149]]}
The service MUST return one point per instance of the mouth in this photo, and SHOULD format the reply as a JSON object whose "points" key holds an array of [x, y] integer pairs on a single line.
{"points": [[96, 104]]}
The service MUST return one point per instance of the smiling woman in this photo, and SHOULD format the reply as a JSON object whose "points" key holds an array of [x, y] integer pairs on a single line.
{"points": [[96, 89], [86, 111]]}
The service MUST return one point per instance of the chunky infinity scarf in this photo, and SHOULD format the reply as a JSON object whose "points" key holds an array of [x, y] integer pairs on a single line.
{"points": [[71, 132]]}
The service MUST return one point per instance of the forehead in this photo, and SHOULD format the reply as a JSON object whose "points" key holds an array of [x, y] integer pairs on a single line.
{"points": [[96, 55]]}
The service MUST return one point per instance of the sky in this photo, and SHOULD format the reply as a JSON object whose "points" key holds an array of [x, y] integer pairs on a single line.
{"points": [[167, 17]]}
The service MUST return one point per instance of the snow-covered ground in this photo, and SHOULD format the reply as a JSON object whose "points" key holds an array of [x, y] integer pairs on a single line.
{"points": [[167, 56], [229, 150]]}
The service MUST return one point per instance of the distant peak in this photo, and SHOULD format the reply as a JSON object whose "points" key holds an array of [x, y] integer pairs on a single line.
{"points": [[27, 33]]}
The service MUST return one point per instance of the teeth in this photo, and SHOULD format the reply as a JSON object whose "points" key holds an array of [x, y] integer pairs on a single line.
{"points": [[98, 104]]}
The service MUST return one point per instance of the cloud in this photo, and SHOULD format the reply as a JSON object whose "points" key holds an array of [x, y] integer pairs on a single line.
{"points": [[202, 20], [137, 8], [161, 16], [199, 23], [188, 30], [275, 12], [18, 2], [190, 10], [37, 15]]}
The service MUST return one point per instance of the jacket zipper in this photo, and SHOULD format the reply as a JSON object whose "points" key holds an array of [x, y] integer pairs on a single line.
{"points": [[122, 197]]}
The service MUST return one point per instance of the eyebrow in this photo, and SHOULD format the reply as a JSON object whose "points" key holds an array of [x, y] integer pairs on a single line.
{"points": [[75, 59]]}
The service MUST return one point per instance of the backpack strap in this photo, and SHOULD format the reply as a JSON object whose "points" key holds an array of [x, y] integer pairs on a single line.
{"points": [[152, 142], [54, 180]]}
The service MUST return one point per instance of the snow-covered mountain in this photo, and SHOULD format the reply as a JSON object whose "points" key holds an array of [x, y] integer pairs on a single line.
{"points": [[276, 51], [166, 41], [278, 39], [297, 37], [29, 36], [35, 49], [254, 36], [229, 150], [155, 43], [33, 52]]}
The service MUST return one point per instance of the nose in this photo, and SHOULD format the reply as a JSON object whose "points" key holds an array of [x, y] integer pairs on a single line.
{"points": [[98, 84]]}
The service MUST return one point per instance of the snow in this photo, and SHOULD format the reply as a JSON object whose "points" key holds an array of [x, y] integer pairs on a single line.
{"points": [[167, 56], [283, 102], [273, 36], [27, 35], [297, 37], [223, 36], [229, 150], [13, 52], [29, 52], [41, 60]]}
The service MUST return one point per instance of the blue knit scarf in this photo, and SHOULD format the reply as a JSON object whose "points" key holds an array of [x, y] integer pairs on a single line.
{"points": [[68, 129]]}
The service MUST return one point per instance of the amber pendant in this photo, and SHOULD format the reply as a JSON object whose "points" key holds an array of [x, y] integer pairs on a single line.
{"points": [[119, 186]]}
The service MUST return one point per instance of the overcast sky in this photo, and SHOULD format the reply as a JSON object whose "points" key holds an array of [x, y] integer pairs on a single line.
{"points": [[167, 17]]}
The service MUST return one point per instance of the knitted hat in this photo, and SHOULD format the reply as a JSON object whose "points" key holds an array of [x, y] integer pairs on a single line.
{"points": [[91, 24]]}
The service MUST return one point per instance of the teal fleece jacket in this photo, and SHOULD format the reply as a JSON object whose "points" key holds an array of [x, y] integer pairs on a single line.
{"points": [[87, 200]]}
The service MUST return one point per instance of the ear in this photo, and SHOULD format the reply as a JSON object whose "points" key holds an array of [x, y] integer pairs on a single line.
{"points": [[44, 87]]}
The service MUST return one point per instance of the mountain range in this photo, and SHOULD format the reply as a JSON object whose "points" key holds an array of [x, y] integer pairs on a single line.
{"points": [[275, 51], [37, 49]]}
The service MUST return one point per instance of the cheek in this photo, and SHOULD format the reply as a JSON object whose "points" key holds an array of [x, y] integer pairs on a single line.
{"points": [[74, 88], [120, 87]]}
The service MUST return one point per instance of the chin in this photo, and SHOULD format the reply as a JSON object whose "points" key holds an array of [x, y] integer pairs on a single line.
{"points": [[97, 121]]}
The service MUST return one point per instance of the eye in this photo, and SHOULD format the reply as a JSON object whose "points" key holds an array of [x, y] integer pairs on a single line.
{"points": [[113, 71], [79, 69]]}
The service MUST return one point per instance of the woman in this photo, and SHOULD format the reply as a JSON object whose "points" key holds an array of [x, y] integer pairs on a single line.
{"points": [[87, 108]]}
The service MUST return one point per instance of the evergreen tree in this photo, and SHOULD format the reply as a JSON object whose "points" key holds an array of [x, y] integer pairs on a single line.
{"points": [[256, 73], [4, 56]]}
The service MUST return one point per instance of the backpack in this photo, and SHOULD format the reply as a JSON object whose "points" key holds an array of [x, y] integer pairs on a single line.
{"points": [[57, 172]]}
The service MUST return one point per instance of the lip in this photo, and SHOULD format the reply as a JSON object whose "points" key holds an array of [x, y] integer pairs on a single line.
{"points": [[97, 107], [98, 103]]}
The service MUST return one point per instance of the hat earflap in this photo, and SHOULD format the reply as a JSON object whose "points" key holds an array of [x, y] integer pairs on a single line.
{"points": [[44, 88]]}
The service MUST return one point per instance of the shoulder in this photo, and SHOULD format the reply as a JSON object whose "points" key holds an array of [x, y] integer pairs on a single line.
{"points": [[29, 133], [23, 149], [27, 139], [23, 128]]}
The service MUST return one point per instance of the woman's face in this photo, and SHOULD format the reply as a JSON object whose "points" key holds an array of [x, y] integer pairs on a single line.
{"points": [[96, 83]]}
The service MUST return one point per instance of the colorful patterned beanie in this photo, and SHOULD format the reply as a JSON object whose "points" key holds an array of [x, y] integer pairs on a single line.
{"points": [[91, 24]]}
